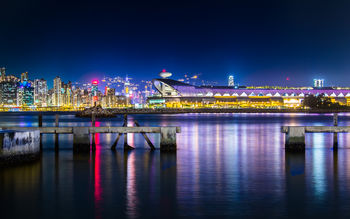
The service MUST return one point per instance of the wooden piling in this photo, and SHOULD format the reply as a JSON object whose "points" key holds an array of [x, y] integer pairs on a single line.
{"points": [[40, 124], [146, 137], [116, 141], [40, 120], [126, 146], [295, 139], [81, 141], [120, 134], [335, 135], [168, 138], [56, 135], [93, 124]]}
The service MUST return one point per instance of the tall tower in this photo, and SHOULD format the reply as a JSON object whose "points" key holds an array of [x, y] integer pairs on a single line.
{"points": [[318, 83], [126, 86], [126, 90], [57, 85], [24, 76], [231, 81], [2, 73], [94, 92], [40, 92]]}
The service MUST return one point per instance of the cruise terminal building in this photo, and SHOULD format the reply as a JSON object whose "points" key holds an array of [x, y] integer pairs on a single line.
{"points": [[176, 94]]}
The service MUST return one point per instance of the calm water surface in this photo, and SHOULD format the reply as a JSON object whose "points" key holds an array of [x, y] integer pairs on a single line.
{"points": [[226, 165]]}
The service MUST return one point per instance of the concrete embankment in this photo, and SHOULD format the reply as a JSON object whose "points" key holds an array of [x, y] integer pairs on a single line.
{"points": [[19, 146]]}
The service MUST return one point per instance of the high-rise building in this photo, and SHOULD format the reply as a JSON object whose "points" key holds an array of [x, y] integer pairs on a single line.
{"points": [[57, 87], [2, 74], [231, 81], [110, 98], [94, 88], [50, 96], [77, 97], [318, 83], [8, 93], [12, 78], [67, 94], [28, 96], [40, 92], [25, 94], [94, 92], [126, 86], [24, 77]]}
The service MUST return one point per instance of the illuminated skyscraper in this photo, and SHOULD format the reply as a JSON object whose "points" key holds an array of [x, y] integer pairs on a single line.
{"points": [[24, 77], [231, 81], [40, 92], [2, 74], [28, 95], [25, 94], [127, 92], [94, 92], [67, 94], [57, 86], [109, 98], [8, 93], [318, 83]]}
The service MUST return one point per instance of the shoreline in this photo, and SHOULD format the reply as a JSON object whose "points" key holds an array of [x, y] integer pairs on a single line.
{"points": [[184, 111]]}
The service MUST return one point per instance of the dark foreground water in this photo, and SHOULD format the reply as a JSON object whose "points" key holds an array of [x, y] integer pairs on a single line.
{"points": [[226, 165]]}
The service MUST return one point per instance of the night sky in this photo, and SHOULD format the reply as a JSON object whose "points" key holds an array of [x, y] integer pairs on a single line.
{"points": [[260, 42]]}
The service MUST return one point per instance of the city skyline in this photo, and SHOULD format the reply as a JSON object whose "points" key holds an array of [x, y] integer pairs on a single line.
{"points": [[190, 91], [175, 76], [261, 43]]}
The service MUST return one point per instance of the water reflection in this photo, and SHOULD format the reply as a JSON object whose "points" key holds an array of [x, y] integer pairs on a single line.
{"points": [[168, 185], [131, 189], [230, 165], [318, 166], [295, 184], [96, 162]]}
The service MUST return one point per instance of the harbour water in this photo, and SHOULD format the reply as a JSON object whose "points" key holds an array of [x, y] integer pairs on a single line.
{"points": [[226, 165]]}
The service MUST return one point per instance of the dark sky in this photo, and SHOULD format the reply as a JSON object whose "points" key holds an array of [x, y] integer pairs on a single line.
{"points": [[260, 42]]}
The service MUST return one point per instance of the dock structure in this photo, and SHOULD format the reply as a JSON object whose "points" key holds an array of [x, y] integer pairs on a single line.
{"points": [[81, 135], [295, 135]]}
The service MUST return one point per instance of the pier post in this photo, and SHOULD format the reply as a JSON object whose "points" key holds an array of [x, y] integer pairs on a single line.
{"points": [[146, 137], [93, 124], [40, 124], [40, 120], [19, 146], [126, 146], [56, 135], [335, 134], [295, 139], [168, 138], [81, 139]]}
